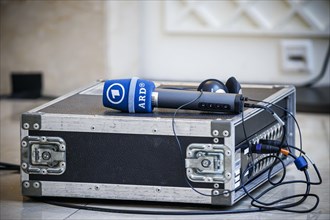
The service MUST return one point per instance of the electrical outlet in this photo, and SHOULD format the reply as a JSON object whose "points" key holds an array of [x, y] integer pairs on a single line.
{"points": [[297, 56]]}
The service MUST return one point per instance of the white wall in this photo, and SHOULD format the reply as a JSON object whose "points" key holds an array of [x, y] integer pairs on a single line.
{"points": [[146, 46], [63, 39], [77, 42]]}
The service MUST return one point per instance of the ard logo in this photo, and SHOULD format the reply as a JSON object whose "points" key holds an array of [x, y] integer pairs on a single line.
{"points": [[142, 96], [116, 93]]}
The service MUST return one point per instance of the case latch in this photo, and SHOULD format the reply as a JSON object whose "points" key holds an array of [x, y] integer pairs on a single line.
{"points": [[43, 155], [208, 163]]}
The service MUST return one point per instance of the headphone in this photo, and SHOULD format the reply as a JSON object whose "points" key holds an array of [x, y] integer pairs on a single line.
{"points": [[214, 85]]}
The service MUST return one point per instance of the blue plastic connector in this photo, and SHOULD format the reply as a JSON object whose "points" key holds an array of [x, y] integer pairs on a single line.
{"points": [[301, 163]]}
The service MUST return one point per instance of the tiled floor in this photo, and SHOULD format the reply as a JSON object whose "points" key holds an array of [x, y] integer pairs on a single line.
{"points": [[316, 134]]}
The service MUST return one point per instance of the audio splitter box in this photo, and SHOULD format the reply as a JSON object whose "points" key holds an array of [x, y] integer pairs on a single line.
{"points": [[75, 147]]}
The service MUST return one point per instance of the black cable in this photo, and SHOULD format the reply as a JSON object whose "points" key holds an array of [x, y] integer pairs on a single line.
{"points": [[249, 144], [150, 212], [180, 147], [9, 166], [304, 196], [269, 206], [250, 154], [179, 143], [270, 169], [43, 97], [280, 144], [285, 207], [276, 143], [322, 72], [288, 112], [273, 113], [255, 202]]}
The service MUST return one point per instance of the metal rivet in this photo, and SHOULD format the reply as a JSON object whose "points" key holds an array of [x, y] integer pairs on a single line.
{"points": [[154, 130], [36, 185], [26, 184], [216, 140], [24, 165], [96, 188], [228, 175], [199, 154], [43, 139], [93, 127], [216, 192], [209, 179], [215, 132], [226, 193], [225, 133], [44, 171], [228, 153], [206, 163], [62, 147], [158, 190], [24, 144], [26, 126], [62, 164], [46, 155], [216, 185], [36, 126]]}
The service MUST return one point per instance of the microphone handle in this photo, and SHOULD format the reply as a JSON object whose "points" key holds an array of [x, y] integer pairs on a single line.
{"points": [[208, 101]]}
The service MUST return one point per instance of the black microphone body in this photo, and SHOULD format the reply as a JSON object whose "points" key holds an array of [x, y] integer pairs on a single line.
{"points": [[208, 101]]}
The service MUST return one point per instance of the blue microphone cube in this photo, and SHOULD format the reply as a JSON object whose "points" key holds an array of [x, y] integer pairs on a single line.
{"points": [[129, 95]]}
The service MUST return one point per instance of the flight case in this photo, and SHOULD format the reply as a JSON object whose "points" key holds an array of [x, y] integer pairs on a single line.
{"points": [[75, 147]]}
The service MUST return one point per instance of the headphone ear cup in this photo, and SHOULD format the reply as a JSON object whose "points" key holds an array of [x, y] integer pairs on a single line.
{"points": [[212, 85], [233, 86]]}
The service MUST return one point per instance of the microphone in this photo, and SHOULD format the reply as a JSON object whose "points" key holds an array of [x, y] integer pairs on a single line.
{"points": [[141, 96]]}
